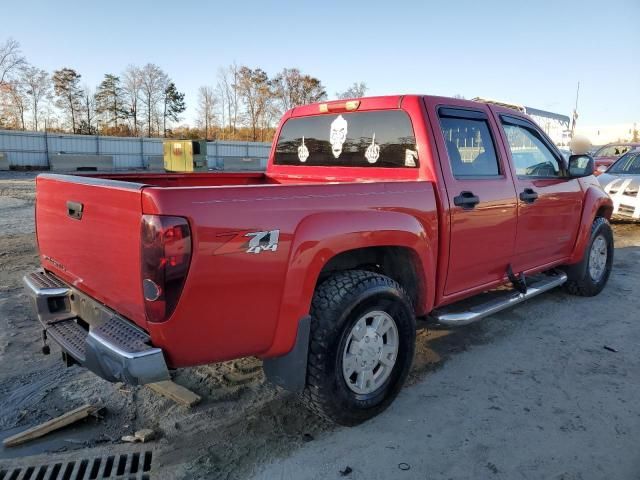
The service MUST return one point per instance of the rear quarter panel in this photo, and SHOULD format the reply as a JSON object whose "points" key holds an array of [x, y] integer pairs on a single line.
{"points": [[238, 304]]}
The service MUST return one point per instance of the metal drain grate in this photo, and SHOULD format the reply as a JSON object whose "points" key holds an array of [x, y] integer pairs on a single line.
{"points": [[130, 466]]}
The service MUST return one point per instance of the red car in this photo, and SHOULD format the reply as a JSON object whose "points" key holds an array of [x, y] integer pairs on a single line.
{"points": [[372, 212], [605, 156]]}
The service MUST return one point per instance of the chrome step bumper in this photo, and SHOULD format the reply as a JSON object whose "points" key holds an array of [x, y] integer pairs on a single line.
{"points": [[94, 335], [458, 315]]}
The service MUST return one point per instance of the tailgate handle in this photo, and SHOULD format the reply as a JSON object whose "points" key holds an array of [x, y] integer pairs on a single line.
{"points": [[74, 210]]}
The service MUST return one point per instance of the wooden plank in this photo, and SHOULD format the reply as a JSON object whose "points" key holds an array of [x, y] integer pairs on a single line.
{"points": [[175, 392], [51, 425]]}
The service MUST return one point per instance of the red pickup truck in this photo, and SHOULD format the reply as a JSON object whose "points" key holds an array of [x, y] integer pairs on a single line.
{"points": [[372, 212]]}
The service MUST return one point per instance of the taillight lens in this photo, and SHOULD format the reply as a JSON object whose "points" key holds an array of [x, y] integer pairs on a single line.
{"points": [[166, 255]]}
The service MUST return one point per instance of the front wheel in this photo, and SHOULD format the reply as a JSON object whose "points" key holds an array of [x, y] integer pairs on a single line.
{"points": [[589, 277], [361, 348]]}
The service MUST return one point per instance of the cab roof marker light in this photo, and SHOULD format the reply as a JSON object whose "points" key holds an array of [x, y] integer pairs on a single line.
{"points": [[349, 106], [352, 105]]}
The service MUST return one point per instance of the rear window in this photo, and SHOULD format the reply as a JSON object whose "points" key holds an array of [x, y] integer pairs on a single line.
{"points": [[612, 151], [359, 139]]}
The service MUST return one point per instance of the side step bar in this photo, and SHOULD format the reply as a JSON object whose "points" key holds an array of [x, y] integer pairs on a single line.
{"points": [[457, 315]]}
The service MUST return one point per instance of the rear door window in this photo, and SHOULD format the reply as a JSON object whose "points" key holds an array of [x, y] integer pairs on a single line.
{"points": [[382, 138], [469, 145]]}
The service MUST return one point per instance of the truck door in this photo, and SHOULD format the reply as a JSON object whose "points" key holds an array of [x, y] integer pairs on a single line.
{"points": [[549, 204], [482, 198]]}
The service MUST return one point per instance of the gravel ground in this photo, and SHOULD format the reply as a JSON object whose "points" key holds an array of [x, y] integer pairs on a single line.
{"points": [[529, 393]]}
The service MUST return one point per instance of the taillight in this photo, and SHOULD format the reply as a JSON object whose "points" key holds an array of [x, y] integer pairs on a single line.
{"points": [[166, 254]]}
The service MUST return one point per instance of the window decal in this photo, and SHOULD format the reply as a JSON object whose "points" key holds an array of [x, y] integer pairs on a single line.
{"points": [[338, 135], [373, 151], [371, 139], [410, 157], [303, 152]]}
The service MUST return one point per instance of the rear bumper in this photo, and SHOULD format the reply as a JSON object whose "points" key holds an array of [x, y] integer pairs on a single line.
{"points": [[95, 336]]}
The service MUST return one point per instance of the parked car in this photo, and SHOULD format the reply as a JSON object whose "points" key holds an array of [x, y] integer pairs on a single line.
{"points": [[605, 156], [622, 182], [372, 212]]}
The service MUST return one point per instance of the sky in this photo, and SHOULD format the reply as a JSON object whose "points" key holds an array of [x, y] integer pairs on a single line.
{"points": [[531, 53]]}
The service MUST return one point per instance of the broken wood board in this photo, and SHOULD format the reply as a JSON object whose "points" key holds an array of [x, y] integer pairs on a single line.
{"points": [[175, 392], [51, 425]]}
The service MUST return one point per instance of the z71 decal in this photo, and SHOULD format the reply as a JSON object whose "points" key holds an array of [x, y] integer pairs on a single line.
{"points": [[262, 241], [249, 242]]}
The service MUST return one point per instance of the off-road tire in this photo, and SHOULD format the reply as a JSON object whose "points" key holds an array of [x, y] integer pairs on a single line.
{"points": [[337, 304], [579, 280]]}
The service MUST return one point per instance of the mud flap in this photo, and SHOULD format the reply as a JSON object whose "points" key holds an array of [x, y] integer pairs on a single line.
{"points": [[290, 371]]}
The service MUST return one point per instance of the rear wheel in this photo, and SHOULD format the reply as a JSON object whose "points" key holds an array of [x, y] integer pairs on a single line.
{"points": [[589, 277], [361, 347]]}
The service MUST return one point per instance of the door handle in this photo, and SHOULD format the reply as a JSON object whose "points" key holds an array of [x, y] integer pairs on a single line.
{"points": [[466, 200], [529, 195]]}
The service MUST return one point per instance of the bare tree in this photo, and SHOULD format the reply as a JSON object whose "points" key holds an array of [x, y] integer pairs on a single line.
{"points": [[228, 85], [221, 100], [10, 59], [18, 102], [254, 88], [358, 89], [5, 107], [88, 108], [270, 117], [132, 88], [206, 109], [37, 88], [293, 88], [153, 84], [66, 85]]}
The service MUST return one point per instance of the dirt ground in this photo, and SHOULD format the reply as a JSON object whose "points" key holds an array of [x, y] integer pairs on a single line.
{"points": [[528, 393]]}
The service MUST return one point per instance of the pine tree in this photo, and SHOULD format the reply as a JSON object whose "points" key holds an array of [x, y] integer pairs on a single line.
{"points": [[66, 85], [173, 105], [110, 101]]}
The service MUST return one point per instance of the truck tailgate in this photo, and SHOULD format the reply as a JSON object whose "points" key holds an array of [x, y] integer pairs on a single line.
{"points": [[88, 233]]}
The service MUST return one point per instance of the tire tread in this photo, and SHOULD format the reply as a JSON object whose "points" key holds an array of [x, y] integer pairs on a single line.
{"points": [[325, 310], [577, 285]]}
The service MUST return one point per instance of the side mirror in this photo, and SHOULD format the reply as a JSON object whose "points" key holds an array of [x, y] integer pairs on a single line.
{"points": [[580, 166]]}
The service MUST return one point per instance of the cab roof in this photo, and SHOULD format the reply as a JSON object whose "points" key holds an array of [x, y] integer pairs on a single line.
{"points": [[384, 102]]}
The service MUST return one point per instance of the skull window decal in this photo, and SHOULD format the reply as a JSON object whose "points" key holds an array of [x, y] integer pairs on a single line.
{"points": [[338, 135]]}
